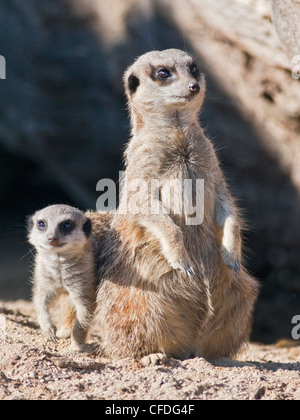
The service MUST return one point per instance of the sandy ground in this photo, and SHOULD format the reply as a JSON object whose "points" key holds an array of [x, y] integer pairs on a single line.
{"points": [[33, 368]]}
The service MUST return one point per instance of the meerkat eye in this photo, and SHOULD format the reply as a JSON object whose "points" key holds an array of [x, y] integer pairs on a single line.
{"points": [[41, 225], [194, 70], [164, 74], [67, 226]]}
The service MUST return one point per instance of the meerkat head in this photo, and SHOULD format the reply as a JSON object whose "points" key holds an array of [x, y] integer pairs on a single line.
{"points": [[162, 83], [59, 228]]}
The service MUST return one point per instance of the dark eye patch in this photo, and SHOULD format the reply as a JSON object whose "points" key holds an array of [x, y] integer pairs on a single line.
{"points": [[164, 73], [194, 70], [67, 226]]}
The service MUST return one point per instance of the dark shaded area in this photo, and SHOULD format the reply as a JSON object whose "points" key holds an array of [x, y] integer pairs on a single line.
{"points": [[63, 127]]}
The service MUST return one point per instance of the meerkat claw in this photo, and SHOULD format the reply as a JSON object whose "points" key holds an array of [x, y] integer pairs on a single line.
{"points": [[190, 272], [52, 335], [235, 267], [187, 270]]}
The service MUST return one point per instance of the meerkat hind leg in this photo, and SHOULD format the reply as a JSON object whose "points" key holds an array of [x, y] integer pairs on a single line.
{"points": [[81, 326], [64, 316], [229, 329], [78, 338]]}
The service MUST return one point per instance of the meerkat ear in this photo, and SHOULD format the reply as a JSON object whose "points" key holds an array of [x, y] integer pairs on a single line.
{"points": [[133, 83], [87, 228], [29, 223]]}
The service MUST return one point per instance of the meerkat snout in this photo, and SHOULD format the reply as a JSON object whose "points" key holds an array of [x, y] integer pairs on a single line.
{"points": [[194, 88], [52, 240]]}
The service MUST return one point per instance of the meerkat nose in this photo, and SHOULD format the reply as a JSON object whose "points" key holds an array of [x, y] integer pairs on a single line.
{"points": [[194, 88], [52, 239]]}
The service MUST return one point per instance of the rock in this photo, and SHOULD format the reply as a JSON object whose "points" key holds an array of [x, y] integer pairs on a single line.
{"points": [[286, 16]]}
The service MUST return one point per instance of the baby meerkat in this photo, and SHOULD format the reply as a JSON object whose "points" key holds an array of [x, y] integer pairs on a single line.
{"points": [[170, 285], [64, 263]]}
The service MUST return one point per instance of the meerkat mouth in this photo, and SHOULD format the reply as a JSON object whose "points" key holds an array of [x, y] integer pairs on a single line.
{"points": [[184, 98], [55, 246]]}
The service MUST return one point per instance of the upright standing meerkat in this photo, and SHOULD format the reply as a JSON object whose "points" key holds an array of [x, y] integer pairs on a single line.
{"points": [[65, 264], [169, 286]]}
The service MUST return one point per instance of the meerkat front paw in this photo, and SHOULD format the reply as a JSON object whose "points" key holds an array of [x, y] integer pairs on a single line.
{"points": [[235, 267], [79, 347], [153, 359], [50, 333], [231, 244], [232, 260], [63, 333], [180, 261], [184, 268]]}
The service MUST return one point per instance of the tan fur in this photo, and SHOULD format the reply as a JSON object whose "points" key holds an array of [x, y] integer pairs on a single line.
{"points": [[168, 287], [64, 290], [62, 309]]}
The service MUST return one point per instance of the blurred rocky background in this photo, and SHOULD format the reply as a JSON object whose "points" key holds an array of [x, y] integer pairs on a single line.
{"points": [[64, 124]]}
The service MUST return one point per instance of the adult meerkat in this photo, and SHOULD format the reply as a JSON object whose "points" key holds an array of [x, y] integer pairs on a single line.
{"points": [[172, 287], [65, 264]]}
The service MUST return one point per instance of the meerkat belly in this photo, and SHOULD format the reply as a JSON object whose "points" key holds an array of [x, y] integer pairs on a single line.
{"points": [[137, 320], [144, 306]]}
